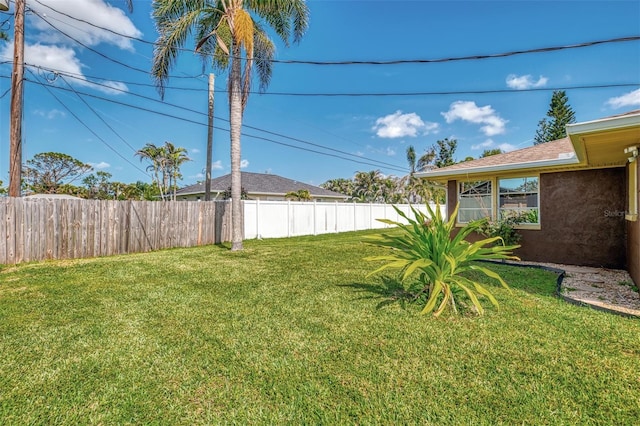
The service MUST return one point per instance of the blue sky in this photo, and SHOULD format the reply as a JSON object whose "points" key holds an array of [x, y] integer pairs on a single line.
{"points": [[67, 112]]}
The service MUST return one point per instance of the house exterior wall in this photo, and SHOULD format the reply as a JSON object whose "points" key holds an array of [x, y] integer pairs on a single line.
{"points": [[581, 219], [633, 243]]}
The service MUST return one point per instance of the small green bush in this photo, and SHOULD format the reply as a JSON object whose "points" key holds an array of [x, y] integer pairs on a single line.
{"points": [[427, 248]]}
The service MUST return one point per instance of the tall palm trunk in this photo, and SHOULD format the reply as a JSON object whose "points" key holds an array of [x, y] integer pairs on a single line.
{"points": [[235, 116]]}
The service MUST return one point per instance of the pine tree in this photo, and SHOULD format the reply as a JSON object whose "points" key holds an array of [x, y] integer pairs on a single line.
{"points": [[559, 115]]}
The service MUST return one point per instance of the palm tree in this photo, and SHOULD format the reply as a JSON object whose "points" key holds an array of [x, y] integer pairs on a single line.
{"points": [[155, 154], [174, 158], [299, 195], [368, 186], [418, 187], [226, 29]]}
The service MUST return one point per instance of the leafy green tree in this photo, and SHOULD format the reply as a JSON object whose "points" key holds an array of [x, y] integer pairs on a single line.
{"points": [[419, 190], [340, 185], [429, 250], [141, 191], [299, 195], [490, 152], [444, 150], [47, 171], [3, 189], [97, 185], [368, 186], [560, 114], [232, 35]]}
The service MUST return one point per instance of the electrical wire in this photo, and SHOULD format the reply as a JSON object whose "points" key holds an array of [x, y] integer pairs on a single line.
{"points": [[359, 157], [85, 125], [97, 52], [397, 61], [395, 168], [349, 94], [99, 116]]}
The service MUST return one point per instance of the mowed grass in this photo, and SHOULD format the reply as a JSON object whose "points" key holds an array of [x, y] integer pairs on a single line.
{"points": [[292, 331]]}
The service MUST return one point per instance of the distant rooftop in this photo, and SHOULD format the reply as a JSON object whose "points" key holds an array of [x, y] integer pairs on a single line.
{"points": [[261, 183]]}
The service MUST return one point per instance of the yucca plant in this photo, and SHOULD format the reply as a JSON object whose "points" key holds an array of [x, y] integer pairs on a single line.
{"points": [[427, 249]]}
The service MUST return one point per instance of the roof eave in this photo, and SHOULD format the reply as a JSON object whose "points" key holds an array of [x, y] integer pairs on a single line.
{"points": [[576, 131], [496, 169]]}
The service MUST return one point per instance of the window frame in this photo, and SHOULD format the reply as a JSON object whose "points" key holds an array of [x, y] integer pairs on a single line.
{"points": [[458, 195], [537, 192], [495, 198]]}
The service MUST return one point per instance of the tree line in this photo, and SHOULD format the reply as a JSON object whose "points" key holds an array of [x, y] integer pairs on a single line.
{"points": [[59, 173], [56, 173]]}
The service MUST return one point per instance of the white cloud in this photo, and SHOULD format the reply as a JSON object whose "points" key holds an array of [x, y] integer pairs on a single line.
{"points": [[398, 125], [390, 151], [217, 165], [484, 145], [52, 50], [506, 147], [195, 151], [525, 81], [489, 144], [52, 114], [628, 99], [62, 59], [469, 111], [97, 12], [244, 164], [100, 165]]}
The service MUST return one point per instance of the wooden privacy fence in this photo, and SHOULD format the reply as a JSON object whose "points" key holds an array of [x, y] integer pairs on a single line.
{"points": [[39, 229]]}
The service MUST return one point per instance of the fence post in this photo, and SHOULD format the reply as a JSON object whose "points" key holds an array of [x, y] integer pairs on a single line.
{"points": [[315, 208], [289, 218]]}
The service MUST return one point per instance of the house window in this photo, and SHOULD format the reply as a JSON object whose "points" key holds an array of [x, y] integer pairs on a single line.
{"points": [[475, 200], [519, 198], [632, 198]]}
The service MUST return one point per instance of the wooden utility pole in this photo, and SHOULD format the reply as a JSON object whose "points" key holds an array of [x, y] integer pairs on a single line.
{"points": [[207, 181], [15, 132]]}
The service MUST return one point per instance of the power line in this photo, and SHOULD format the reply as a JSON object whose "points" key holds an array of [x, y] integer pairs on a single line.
{"points": [[379, 164], [98, 115], [397, 61], [85, 125], [466, 58], [451, 92], [348, 94], [97, 52]]}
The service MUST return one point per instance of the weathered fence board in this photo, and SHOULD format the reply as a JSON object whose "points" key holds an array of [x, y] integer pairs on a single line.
{"points": [[39, 228], [35, 229]]}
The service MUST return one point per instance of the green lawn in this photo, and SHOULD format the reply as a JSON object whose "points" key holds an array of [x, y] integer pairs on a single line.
{"points": [[292, 331]]}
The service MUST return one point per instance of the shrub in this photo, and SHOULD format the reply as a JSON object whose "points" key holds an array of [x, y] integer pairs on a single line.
{"points": [[427, 248], [503, 228]]}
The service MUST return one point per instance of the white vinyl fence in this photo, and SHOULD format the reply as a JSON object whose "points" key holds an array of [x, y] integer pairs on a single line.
{"points": [[274, 219]]}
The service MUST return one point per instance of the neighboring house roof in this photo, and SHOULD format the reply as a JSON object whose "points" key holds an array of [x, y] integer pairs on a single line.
{"points": [[54, 196], [262, 184], [598, 143]]}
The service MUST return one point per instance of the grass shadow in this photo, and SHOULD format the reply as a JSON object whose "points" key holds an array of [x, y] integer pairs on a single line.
{"points": [[390, 290]]}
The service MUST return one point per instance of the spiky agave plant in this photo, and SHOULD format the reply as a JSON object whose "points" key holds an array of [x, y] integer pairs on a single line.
{"points": [[426, 247]]}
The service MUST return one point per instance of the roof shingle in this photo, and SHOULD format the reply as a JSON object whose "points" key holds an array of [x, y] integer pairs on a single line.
{"points": [[261, 183]]}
